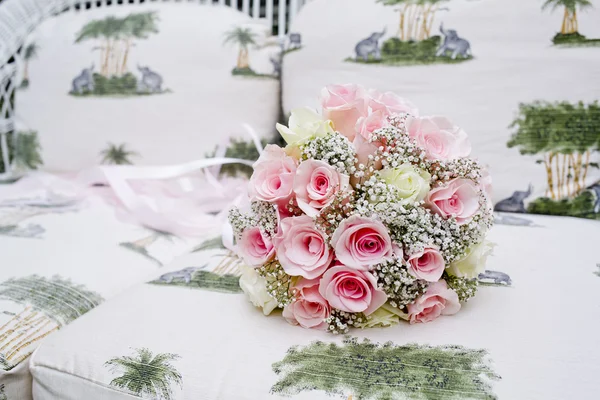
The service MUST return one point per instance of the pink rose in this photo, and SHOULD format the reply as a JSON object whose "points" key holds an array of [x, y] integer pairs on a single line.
{"points": [[441, 139], [255, 247], [460, 197], [301, 248], [390, 103], [361, 242], [310, 309], [316, 185], [437, 300], [273, 176], [350, 290], [427, 265], [365, 126], [344, 105]]}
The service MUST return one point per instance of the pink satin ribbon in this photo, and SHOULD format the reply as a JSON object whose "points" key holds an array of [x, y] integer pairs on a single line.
{"points": [[184, 200]]}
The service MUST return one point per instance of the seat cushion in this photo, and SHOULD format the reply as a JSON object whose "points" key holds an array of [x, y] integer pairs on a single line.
{"points": [[509, 92], [528, 334], [60, 257], [152, 83]]}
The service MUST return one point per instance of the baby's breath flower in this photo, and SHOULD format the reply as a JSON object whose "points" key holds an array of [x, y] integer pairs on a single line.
{"points": [[279, 284], [339, 322], [398, 284], [464, 288], [335, 149], [262, 214]]}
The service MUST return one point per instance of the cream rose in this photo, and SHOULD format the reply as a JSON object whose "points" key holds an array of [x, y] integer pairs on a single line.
{"points": [[412, 182], [473, 263], [255, 287], [381, 318], [304, 123]]}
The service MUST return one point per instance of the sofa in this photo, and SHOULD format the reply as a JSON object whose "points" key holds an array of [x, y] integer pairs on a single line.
{"points": [[96, 303]]}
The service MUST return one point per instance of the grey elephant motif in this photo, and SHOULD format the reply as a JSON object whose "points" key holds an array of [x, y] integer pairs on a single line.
{"points": [[84, 81], [595, 189], [453, 44], [181, 275], [150, 82], [515, 203], [495, 278], [369, 46], [294, 41]]}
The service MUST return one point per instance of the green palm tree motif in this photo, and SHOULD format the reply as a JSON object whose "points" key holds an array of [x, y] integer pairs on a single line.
{"points": [[140, 246], [416, 17], [242, 149], [20, 149], [27, 150], [60, 299], [210, 244], [546, 130], [146, 373], [2, 394], [48, 304], [30, 52], [137, 26], [569, 23], [243, 37], [117, 154], [116, 36], [372, 371]]}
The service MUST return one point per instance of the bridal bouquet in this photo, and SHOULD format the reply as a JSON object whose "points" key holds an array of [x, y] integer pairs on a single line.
{"points": [[369, 215]]}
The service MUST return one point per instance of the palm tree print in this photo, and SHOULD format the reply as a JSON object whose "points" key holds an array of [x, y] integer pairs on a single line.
{"points": [[416, 17], [117, 154], [569, 22], [20, 150], [30, 52], [146, 374], [546, 130], [242, 37], [2, 394], [116, 37], [26, 152], [373, 371], [47, 305], [141, 245]]}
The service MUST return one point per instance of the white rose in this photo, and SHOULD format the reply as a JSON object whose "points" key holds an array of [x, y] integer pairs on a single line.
{"points": [[304, 123], [381, 318], [473, 263], [412, 182], [255, 287]]}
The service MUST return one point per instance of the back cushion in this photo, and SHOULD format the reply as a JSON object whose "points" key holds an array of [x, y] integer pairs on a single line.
{"points": [[166, 81], [500, 77]]}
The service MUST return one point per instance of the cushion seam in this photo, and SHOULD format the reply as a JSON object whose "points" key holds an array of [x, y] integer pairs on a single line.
{"points": [[103, 385]]}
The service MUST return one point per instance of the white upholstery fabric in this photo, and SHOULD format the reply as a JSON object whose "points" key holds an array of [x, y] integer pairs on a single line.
{"points": [[69, 258], [514, 62], [541, 332], [202, 103]]}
